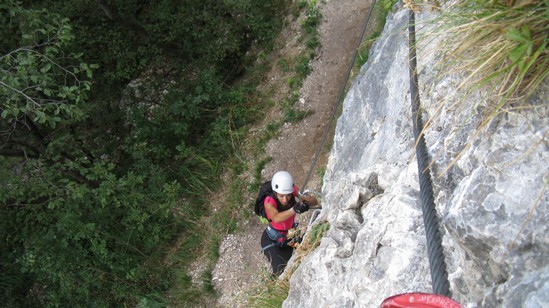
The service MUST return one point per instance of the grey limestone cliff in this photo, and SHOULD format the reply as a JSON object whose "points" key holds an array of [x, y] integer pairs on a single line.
{"points": [[490, 187]]}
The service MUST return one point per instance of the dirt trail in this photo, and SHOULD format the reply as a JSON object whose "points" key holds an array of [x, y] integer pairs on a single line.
{"points": [[241, 265]]}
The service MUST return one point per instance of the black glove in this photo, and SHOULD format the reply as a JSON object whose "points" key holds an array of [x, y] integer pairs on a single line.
{"points": [[301, 207]]}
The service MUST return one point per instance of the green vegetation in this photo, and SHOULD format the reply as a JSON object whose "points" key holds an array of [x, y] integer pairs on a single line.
{"points": [[310, 17], [317, 232], [218, 224], [118, 119], [272, 295], [104, 179]]}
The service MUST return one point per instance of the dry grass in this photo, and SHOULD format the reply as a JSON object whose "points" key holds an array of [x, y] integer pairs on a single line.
{"points": [[501, 46]]}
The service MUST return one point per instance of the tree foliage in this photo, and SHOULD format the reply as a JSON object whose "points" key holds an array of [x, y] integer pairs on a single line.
{"points": [[112, 112]]}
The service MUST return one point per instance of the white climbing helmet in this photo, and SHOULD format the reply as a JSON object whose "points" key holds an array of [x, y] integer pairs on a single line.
{"points": [[282, 182]]}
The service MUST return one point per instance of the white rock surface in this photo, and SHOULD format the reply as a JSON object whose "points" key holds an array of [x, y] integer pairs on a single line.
{"points": [[492, 202]]}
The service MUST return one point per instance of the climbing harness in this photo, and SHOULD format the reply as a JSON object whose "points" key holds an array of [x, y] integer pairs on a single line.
{"points": [[293, 238], [275, 235]]}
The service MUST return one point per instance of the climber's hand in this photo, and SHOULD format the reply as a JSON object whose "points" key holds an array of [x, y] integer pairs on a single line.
{"points": [[310, 200], [301, 207]]}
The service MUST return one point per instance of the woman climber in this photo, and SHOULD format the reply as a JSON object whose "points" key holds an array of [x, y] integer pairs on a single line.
{"points": [[281, 206]]}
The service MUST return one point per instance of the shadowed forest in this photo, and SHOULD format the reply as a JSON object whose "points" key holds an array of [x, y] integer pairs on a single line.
{"points": [[116, 117]]}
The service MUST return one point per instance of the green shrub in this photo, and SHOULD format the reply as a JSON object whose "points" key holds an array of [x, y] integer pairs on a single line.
{"points": [[89, 184]]}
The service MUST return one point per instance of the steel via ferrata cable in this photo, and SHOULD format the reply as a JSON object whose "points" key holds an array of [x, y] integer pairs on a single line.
{"points": [[439, 274]]}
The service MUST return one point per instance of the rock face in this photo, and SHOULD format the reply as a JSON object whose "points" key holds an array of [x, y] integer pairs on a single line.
{"points": [[490, 187]]}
